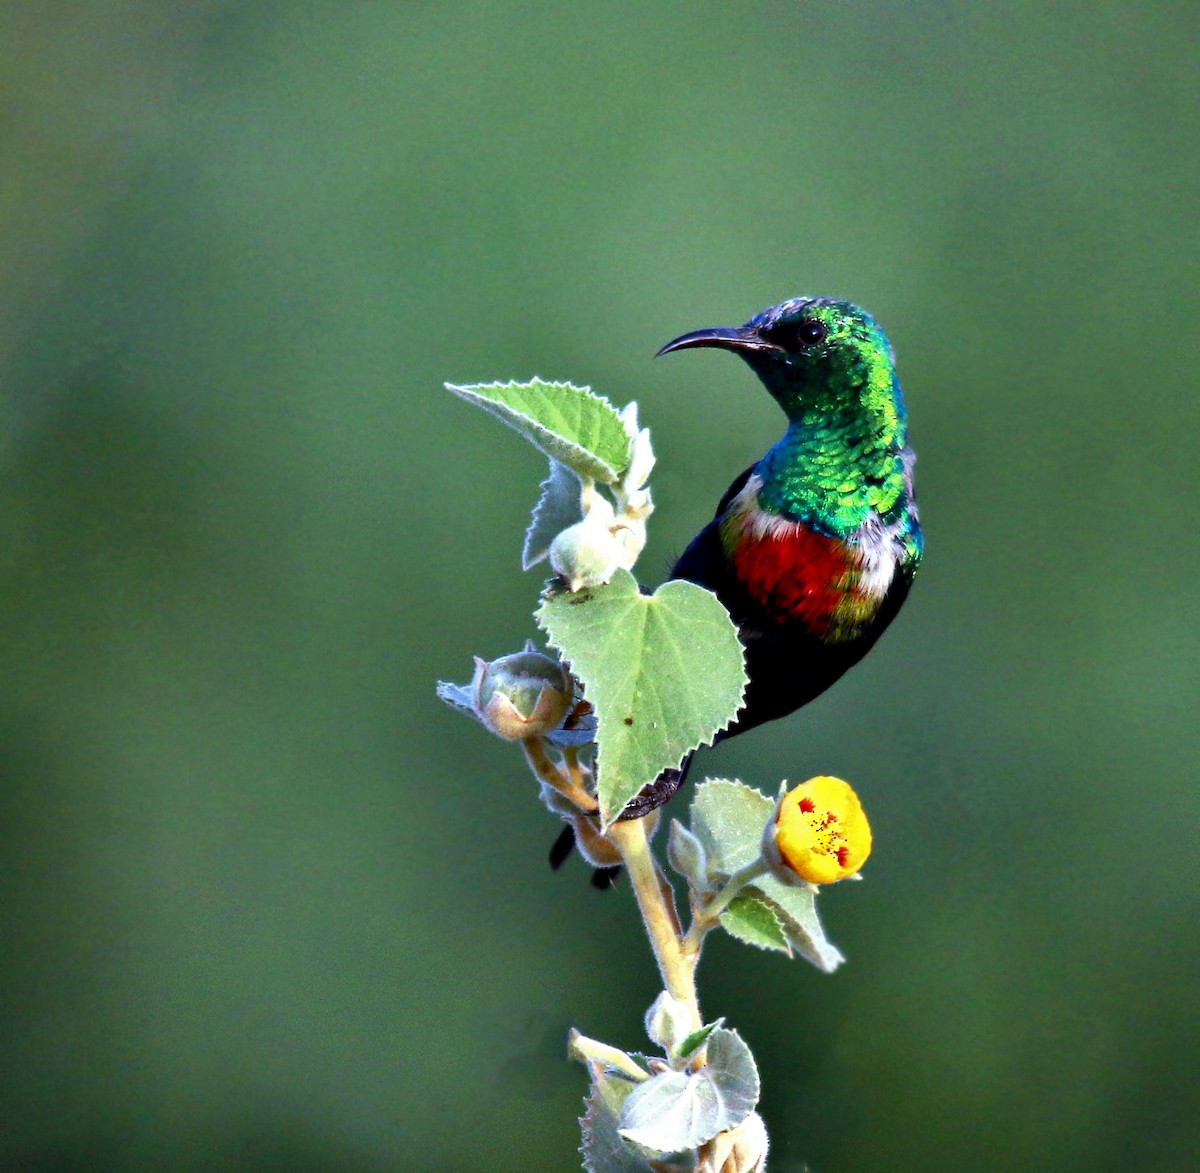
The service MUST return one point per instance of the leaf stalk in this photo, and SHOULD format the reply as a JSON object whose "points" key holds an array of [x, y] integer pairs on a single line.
{"points": [[705, 919]]}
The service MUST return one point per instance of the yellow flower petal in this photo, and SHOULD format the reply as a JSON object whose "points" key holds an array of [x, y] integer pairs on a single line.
{"points": [[821, 831]]}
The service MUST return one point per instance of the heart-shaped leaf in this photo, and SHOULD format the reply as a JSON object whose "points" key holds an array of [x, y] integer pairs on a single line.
{"points": [[675, 1110], [754, 921], [664, 673]]}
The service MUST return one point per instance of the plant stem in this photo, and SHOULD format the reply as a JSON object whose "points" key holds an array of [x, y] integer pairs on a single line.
{"points": [[706, 918], [677, 968], [548, 772], [574, 769]]}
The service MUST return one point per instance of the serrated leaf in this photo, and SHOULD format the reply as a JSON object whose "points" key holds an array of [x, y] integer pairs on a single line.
{"points": [[664, 673], [797, 911], [687, 856], [754, 921], [557, 509], [569, 424], [674, 1110], [604, 1149], [728, 818]]}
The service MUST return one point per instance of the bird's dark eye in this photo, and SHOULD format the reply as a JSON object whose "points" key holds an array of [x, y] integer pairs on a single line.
{"points": [[799, 335], [810, 332]]}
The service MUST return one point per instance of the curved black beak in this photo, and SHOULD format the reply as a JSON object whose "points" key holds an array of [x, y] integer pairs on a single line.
{"points": [[738, 338]]}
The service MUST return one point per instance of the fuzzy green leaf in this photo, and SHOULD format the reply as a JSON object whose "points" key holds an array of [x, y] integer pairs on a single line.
{"points": [[728, 818], [754, 921], [569, 424], [664, 673], [796, 908], [675, 1110], [557, 508], [604, 1149], [697, 1039]]}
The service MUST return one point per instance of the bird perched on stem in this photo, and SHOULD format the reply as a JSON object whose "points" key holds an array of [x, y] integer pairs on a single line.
{"points": [[813, 548]]}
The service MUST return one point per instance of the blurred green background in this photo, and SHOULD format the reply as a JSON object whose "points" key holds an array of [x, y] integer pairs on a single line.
{"points": [[266, 904]]}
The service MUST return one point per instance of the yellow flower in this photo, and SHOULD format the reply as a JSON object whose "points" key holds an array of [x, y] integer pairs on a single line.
{"points": [[820, 832]]}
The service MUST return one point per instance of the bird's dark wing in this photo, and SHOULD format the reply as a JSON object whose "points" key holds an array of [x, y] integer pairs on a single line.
{"points": [[705, 561]]}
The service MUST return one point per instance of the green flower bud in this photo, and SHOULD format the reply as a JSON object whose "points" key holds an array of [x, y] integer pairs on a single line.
{"points": [[523, 695], [588, 554]]}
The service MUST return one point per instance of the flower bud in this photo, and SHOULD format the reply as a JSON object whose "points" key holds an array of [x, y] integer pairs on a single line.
{"points": [[740, 1150], [818, 833], [523, 695], [587, 553]]}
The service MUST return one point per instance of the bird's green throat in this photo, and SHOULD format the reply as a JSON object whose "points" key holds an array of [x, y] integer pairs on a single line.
{"points": [[841, 459]]}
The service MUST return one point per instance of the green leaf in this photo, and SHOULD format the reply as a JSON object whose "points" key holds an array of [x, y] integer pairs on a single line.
{"points": [[674, 1110], [728, 818], [604, 1149], [569, 424], [557, 509], [698, 1038], [664, 673], [797, 911], [754, 921]]}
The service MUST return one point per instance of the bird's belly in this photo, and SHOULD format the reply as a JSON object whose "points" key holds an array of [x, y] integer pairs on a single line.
{"points": [[795, 575]]}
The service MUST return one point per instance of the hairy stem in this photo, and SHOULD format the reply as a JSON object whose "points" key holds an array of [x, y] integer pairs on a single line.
{"points": [[574, 769], [548, 772], [706, 918], [677, 968]]}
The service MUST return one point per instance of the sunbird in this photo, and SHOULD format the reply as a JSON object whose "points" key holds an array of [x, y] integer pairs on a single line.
{"points": [[813, 548]]}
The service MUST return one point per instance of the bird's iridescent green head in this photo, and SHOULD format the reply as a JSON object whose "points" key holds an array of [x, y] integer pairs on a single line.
{"points": [[816, 355], [830, 367]]}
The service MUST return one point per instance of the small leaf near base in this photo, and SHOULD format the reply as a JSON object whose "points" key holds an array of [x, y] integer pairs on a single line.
{"points": [[797, 912], [754, 921], [673, 1111], [604, 1149], [557, 508]]}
